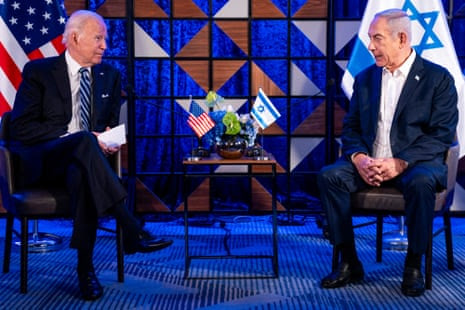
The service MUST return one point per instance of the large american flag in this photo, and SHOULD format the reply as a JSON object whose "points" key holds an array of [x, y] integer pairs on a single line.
{"points": [[28, 30], [199, 120]]}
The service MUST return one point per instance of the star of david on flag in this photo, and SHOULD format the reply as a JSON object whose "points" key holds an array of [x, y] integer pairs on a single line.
{"points": [[28, 30], [263, 111], [198, 120], [430, 37]]}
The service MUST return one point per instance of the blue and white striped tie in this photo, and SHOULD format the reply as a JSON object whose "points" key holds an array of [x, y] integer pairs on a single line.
{"points": [[85, 98]]}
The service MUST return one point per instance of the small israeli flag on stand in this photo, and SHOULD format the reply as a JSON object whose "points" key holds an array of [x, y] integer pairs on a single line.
{"points": [[263, 111]]}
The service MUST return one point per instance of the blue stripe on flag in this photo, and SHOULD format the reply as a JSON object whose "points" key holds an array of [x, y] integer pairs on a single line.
{"points": [[269, 106], [361, 58]]}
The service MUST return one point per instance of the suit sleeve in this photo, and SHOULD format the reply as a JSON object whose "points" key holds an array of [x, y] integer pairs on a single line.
{"points": [[31, 121], [437, 136]]}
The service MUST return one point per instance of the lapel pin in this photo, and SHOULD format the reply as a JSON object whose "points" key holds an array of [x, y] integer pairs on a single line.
{"points": [[417, 77]]}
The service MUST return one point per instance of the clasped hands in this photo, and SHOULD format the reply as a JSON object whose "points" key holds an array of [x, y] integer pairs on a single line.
{"points": [[375, 171]]}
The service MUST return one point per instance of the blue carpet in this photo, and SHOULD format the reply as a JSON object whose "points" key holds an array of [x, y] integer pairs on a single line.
{"points": [[155, 280]]}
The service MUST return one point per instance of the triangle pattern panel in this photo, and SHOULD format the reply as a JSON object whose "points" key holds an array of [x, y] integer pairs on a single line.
{"points": [[301, 45], [458, 205], [238, 84], [223, 70], [223, 46], [147, 201], [301, 148], [342, 64], [261, 78], [313, 8], [314, 70], [301, 85], [193, 72], [339, 114], [261, 198], [144, 45], [199, 199], [271, 130], [266, 9], [198, 46], [233, 9], [302, 108], [147, 8], [345, 31], [187, 8], [313, 124], [315, 31], [238, 31], [112, 8], [346, 50]]}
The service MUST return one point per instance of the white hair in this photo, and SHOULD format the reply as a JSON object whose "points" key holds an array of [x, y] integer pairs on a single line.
{"points": [[76, 22], [398, 22]]}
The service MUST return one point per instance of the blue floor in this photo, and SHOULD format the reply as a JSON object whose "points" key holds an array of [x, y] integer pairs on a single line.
{"points": [[156, 280]]}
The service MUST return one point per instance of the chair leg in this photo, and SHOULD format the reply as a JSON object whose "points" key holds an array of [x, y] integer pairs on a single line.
{"points": [[379, 238], [24, 250], [119, 250], [429, 262], [8, 241], [448, 235]]}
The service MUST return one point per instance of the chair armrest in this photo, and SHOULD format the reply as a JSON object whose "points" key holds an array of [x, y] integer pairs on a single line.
{"points": [[452, 160]]}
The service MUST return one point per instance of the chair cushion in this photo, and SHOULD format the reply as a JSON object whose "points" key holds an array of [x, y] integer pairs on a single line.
{"points": [[51, 201], [387, 199]]}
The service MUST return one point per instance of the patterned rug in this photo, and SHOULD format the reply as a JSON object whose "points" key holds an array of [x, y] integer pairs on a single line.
{"points": [[156, 280]]}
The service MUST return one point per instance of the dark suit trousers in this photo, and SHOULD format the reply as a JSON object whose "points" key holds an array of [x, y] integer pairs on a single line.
{"points": [[77, 162], [418, 184]]}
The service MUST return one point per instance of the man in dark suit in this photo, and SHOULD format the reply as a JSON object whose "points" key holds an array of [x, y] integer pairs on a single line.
{"points": [[56, 143], [401, 122]]}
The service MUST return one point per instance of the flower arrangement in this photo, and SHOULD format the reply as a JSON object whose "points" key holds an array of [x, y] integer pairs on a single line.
{"points": [[229, 124]]}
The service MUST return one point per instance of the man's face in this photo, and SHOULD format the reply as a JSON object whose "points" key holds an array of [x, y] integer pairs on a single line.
{"points": [[385, 48], [89, 45]]}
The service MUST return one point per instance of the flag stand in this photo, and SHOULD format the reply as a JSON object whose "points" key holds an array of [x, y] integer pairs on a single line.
{"points": [[262, 154], [199, 151]]}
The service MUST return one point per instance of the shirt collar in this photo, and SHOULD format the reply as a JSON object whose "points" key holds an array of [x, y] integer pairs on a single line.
{"points": [[404, 69], [73, 65]]}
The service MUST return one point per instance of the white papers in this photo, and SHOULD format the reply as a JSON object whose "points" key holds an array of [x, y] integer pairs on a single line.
{"points": [[114, 137]]}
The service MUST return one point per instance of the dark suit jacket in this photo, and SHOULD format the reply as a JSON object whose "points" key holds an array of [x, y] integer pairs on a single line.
{"points": [[42, 108], [424, 122]]}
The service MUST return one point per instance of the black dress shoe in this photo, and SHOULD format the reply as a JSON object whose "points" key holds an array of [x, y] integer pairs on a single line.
{"points": [[343, 275], [147, 243], [89, 285], [413, 284]]}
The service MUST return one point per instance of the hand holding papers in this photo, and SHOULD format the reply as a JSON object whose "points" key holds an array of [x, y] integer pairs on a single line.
{"points": [[114, 137]]}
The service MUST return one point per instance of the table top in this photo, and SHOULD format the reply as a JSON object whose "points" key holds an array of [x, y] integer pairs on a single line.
{"points": [[215, 159]]}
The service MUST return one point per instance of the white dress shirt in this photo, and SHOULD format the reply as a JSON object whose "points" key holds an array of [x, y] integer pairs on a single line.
{"points": [[74, 83], [391, 87]]}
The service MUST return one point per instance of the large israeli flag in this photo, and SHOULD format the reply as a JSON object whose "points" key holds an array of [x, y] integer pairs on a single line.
{"points": [[430, 37], [263, 111]]}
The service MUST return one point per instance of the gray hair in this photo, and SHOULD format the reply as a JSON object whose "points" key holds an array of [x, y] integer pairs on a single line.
{"points": [[398, 22], [76, 22]]}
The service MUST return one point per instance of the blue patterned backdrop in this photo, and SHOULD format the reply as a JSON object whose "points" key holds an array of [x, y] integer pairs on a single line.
{"points": [[284, 46]]}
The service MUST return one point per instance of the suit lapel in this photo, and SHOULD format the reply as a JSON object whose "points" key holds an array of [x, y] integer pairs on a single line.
{"points": [[98, 78], [411, 84], [60, 74], [375, 99]]}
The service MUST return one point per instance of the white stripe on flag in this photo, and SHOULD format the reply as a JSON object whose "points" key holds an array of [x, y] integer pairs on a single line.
{"points": [[7, 89], [12, 46]]}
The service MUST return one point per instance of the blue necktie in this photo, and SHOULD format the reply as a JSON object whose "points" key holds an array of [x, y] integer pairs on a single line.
{"points": [[85, 98]]}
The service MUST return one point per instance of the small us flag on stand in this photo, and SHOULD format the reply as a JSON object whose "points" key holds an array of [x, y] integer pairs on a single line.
{"points": [[28, 30], [199, 120]]}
